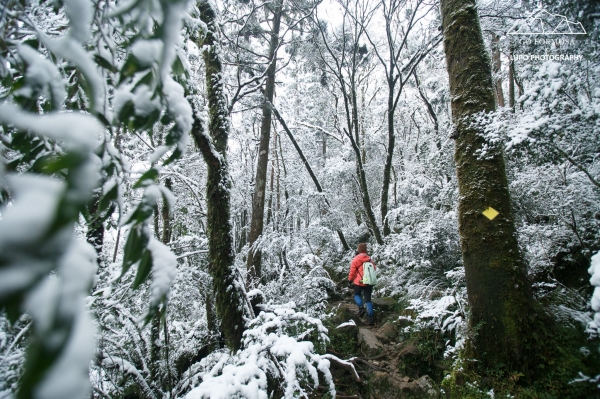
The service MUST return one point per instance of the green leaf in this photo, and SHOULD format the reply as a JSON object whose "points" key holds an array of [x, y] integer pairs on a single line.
{"points": [[17, 84], [135, 245], [33, 43], [104, 63], [149, 177], [103, 119], [127, 111], [34, 153], [67, 161], [177, 153], [146, 80], [41, 163], [143, 269], [174, 135], [130, 68], [13, 165], [153, 310], [24, 142], [146, 122], [107, 199], [8, 80], [178, 69], [166, 119], [48, 106], [87, 216], [87, 89], [13, 308], [142, 212]]}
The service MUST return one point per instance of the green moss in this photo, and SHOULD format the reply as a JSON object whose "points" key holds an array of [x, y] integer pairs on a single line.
{"points": [[343, 341], [562, 353]]}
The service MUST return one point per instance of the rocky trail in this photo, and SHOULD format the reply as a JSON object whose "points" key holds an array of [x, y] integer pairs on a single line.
{"points": [[388, 364]]}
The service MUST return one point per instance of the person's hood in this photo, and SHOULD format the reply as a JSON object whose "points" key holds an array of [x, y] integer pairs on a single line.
{"points": [[363, 257]]}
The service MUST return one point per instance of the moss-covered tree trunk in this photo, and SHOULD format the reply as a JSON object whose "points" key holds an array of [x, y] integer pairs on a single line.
{"points": [[498, 291], [227, 292], [95, 233], [260, 185]]}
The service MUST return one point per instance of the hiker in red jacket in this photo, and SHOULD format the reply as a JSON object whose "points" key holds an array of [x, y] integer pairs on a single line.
{"points": [[354, 281]]}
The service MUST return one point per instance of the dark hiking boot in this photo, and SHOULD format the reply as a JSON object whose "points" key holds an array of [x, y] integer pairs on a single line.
{"points": [[370, 321], [361, 311]]}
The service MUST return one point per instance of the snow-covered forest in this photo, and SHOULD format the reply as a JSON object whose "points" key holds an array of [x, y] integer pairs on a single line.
{"points": [[183, 185]]}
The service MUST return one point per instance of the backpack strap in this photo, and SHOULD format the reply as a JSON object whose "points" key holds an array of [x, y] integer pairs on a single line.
{"points": [[361, 270]]}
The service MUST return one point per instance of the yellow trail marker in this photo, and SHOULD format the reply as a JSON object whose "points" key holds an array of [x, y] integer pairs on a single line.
{"points": [[490, 213]]}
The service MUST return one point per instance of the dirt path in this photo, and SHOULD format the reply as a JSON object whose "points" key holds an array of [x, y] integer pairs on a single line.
{"points": [[386, 364]]}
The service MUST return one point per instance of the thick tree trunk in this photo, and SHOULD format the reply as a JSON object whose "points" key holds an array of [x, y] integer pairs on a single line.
{"points": [[258, 200], [227, 293], [498, 291]]}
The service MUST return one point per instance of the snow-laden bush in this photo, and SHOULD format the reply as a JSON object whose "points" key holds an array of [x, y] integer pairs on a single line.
{"points": [[593, 327], [13, 340], [415, 260], [148, 358], [73, 82], [280, 344], [594, 270], [305, 283], [442, 316]]}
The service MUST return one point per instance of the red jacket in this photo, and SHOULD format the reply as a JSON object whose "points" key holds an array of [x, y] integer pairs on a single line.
{"points": [[356, 268]]}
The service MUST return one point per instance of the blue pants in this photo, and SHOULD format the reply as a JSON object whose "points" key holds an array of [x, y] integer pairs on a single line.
{"points": [[358, 290]]}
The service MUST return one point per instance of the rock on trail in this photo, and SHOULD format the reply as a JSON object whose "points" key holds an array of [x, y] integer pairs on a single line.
{"points": [[383, 360]]}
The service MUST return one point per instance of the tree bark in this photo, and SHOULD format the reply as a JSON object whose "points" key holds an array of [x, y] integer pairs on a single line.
{"points": [[157, 319], [498, 291], [95, 233], [226, 289], [511, 82], [387, 168], [155, 349], [497, 69], [253, 263], [166, 217], [366, 199]]}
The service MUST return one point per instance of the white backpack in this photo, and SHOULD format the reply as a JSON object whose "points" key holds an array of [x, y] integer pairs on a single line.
{"points": [[369, 274]]}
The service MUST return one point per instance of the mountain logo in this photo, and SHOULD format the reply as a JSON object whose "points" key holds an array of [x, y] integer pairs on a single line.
{"points": [[545, 23]]}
